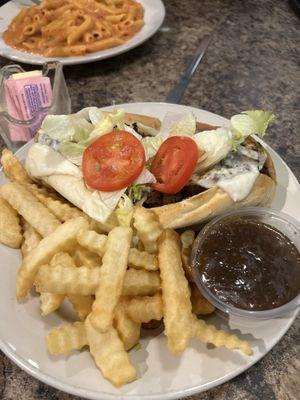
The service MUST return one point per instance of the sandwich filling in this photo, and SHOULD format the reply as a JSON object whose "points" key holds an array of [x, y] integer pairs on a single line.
{"points": [[104, 165]]}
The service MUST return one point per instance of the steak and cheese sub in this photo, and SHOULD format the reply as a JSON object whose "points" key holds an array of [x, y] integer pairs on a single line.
{"points": [[186, 171]]}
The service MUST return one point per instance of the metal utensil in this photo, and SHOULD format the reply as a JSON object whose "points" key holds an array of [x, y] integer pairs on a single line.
{"points": [[27, 3], [176, 93], [24, 3]]}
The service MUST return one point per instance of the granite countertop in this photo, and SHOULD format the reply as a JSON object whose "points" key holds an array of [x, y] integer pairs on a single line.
{"points": [[253, 62]]}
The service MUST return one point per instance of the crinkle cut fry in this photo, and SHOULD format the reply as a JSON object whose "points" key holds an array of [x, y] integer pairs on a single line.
{"points": [[92, 241], [210, 334], [200, 305], [31, 209], [31, 238], [13, 168], [187, 239], [62, 239], [84, 257], [111, 277], [50, 302], [15, 171], [131, 312], [66, 338], [142, 259], [139, 282], [128, 330], [178, 318], [148, 228], [82, 304], [84, 281], [96, 243], [65, 280], [110, 355], [10, 227], [62, 210], [175, 292], [143, 309]]}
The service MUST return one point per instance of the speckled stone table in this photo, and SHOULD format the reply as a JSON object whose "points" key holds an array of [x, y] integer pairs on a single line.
{"points": [[253, 62]]}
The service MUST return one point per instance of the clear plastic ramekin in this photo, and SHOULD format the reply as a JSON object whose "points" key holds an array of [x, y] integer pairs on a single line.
{"points": [[60, 103], [286, 224]]}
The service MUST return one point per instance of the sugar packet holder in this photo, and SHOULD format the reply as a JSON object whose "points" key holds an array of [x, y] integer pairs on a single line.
{"points": [[25, 102], [26, 96]]}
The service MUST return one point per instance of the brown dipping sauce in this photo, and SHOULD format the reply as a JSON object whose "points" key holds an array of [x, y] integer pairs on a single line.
{"points": [[250, 265]]}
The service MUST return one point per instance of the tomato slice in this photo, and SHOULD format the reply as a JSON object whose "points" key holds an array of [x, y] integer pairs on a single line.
{"points": [[174, 164], [113, 161]]}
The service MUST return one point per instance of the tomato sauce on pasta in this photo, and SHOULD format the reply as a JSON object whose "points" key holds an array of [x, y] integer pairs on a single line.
{"points": [[65, 28]]}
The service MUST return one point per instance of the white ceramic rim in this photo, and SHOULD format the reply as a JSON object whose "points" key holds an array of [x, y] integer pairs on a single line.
{"points": [[91, 394], [18, 56]]}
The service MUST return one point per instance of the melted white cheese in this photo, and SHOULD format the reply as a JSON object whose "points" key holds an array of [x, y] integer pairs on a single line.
{"points": [[259, 156], [239, 186], [236, 175]]}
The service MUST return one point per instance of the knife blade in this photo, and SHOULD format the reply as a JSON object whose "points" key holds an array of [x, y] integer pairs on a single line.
{"points": [[176, 93]]}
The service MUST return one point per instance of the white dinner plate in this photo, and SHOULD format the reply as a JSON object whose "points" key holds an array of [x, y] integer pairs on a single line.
{"points": [[154, 16], [161, 374]]}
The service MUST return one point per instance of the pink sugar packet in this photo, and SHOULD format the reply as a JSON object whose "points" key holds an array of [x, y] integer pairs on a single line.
{"points": [[24, 98], [17, 133]]}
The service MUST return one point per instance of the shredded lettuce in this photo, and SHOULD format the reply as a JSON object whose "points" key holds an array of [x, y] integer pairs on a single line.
{"points": [[216, 143], [185, 126], [129, 129], [178, 124], [124, 211], [249, 123], [95, 115], [102, 127], [148, 130], [66, 127], [219, 142], [91, 114], [117, 117], [107, 124], [71, 134], [139, 190], [100, 205], [138, 193], [72, 151], [151, 145]]}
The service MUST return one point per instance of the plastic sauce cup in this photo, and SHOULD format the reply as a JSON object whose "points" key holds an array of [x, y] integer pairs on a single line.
{"points": [[280, 221]]}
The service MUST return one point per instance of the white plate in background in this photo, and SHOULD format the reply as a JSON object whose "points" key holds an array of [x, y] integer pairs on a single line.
{"points": [[162, 375], [153, 18]]}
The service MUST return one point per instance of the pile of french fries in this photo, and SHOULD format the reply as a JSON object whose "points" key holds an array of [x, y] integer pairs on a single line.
{"points": [[117, 278]]}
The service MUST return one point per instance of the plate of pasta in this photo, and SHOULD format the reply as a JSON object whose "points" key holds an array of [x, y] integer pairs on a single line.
{"points": [[75, 32]]}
